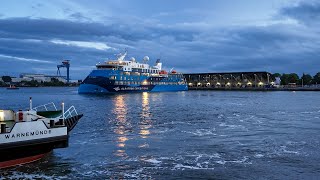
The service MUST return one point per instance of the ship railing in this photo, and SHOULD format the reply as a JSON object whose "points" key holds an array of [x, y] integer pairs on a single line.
{"points": [[69, 113], [46, 107]]}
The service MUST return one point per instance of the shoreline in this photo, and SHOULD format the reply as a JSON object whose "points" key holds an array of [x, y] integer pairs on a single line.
{"points": [[36, 86], [253, 89], [201, 88]]}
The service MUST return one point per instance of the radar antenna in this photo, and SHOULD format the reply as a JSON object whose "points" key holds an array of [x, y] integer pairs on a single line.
{"points": [[145, 59]]}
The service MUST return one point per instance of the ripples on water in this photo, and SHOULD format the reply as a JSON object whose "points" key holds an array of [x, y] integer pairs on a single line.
{"points": [[195, 134]]}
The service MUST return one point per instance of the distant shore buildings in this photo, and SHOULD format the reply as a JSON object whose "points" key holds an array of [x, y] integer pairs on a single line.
{"points": [[38, 77], [30, 79]]}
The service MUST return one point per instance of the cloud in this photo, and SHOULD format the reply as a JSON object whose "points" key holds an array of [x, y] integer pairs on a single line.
{"points": [[307, 12], [95, 45], [47, 29], [24, 59], [283, 43], [79, 16]]}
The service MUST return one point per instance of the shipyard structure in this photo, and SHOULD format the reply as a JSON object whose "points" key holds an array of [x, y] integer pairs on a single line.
{"points": [[231, 80]]}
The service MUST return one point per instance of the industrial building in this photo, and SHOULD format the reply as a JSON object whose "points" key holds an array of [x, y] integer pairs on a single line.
{"points": [[230, 79], [41, 78], [37, 77]]}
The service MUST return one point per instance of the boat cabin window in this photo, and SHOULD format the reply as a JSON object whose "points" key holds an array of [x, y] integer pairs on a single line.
{"points": [[105, 67]]}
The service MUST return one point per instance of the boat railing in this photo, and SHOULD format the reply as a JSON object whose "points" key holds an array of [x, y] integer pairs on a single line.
{"points": [[69, 113], [46, 107]]}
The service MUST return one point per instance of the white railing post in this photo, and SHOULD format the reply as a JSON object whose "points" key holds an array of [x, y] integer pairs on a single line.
{"points": [[63, 110], [30, 99]]}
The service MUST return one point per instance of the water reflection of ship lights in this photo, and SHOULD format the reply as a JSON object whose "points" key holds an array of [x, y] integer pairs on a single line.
{"points": [[123, 127], [145, 123], [120, 110]]}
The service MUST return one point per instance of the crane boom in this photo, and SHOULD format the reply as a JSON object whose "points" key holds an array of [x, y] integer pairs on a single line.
{"points": [[65, 64]]}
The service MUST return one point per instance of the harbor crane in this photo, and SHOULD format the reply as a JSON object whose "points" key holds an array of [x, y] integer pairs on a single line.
{"points": [[65, 64]]}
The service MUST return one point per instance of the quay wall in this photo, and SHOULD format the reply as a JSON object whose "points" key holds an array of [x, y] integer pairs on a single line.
{"points": [[258, 89]]}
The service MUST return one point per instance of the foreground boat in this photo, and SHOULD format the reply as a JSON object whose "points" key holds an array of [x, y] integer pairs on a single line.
{"points": [[25, 136], [131, 76]]}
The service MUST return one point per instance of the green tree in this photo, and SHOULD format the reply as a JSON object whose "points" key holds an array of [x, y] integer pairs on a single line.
{"points": [[293, 78], [6, 79], [54, 80], [316, 78], [284, 79], [306, 79], [32, 83], [273, 76]]}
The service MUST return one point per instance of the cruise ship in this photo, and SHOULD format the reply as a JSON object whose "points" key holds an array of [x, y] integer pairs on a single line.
{"points": [[120, 75]]}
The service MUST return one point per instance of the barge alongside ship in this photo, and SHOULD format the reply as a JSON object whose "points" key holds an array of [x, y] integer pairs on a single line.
{"points": [[26, 136]]}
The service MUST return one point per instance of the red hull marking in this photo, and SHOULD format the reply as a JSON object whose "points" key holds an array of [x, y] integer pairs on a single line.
{"points": [[21, 161]]}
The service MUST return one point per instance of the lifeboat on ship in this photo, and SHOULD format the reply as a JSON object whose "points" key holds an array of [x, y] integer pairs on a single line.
{"points": [[163, 72]]}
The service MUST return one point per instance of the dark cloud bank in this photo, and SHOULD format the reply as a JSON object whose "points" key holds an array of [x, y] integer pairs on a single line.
{"points": [[279, 47]]}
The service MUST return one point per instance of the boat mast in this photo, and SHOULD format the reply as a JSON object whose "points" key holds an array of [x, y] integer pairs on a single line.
{"points": [[122, 56]]}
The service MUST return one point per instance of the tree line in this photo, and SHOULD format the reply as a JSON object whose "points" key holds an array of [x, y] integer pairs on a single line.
{"points": [[33, 83], [293, 78]]}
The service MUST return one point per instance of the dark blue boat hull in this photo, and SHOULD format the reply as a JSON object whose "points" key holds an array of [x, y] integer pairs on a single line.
{"points": [[96, 89]]}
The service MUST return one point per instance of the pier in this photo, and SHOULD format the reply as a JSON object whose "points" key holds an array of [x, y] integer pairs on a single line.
{"points": [[281, 88], [229, 79]]}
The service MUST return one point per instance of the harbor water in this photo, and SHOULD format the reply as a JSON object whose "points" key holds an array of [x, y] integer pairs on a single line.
{"points": [[179, 135]]}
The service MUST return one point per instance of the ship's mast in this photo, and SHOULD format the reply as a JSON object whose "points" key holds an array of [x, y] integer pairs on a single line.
{"points": [[122, 56]]}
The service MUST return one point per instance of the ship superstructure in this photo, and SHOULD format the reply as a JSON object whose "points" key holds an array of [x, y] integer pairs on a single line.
{"points": [[122, 75]]}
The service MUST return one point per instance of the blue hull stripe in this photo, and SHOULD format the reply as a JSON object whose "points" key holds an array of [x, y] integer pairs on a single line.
{"points": [[95, 89]]}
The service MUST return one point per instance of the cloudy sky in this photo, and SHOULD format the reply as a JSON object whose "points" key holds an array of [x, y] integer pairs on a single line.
{"points": [[190, 36]]}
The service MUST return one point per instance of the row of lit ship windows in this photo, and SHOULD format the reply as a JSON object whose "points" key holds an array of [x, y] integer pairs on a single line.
{"points": [[137, 78], [156, 71], [147, 83], [148, 74]]}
